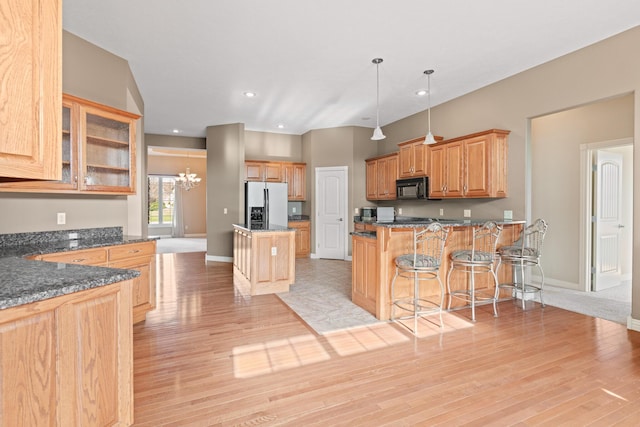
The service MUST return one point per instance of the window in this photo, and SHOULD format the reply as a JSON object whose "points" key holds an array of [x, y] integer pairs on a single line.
{"points": [[161, 191]]}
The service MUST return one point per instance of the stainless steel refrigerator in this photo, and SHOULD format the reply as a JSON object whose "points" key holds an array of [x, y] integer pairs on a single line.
{"points": [[265, 204]]}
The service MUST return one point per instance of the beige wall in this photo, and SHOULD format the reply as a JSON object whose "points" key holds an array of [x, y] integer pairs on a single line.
{"points": [[272, 146], [194, 200], [555, 173], [225, 175], [92, 73]]}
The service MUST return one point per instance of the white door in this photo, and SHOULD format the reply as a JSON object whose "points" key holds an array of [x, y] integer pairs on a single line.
{"points": [[331, 212], [607, 225]]}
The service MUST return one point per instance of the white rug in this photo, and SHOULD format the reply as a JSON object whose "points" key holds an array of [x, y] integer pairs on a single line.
{"points": [[613, 304], [177, 244]]}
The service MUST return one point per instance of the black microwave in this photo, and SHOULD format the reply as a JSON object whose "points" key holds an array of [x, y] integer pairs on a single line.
{"points": [[413, 188]]}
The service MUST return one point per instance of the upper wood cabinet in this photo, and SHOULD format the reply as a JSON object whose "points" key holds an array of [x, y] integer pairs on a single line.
{"points": [[30, 99], [98, 151], [292, 173], [413, 158], [263, 171], [469, 166], [382, 173]]}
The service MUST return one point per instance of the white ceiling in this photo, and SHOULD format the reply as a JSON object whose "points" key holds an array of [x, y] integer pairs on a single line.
{"points": [[310, 61]]}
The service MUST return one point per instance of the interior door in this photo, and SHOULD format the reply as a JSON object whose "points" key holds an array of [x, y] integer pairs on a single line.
{"points": [[607, 224], [331, 212]]}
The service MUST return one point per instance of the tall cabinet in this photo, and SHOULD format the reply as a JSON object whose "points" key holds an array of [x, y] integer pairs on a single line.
{"points": [[30, 98]]}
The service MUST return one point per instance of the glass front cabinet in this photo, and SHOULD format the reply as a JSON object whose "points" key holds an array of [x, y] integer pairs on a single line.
{"points": [[98, 151]]}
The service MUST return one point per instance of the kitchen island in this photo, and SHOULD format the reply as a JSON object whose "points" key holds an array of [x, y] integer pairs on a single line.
{"points": [[263, 259], [375, 249]]}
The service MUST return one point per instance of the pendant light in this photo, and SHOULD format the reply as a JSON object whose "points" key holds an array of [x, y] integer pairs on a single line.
{"points": [[377, 132], [429, 139]]}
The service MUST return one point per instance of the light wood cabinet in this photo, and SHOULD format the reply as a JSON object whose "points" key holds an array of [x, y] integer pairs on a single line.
{"points": [[30, 99], [263, 261], [294, 174], [303, 238], [473, 166], [68, 360], [263, 171], [134, 256], [364, 280], [98, 151], [382, 173], [412, 158]]}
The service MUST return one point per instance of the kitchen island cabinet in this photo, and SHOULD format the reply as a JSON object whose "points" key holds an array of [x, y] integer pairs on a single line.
{"points": [[263, 259], [393, 239], [303, 238]]}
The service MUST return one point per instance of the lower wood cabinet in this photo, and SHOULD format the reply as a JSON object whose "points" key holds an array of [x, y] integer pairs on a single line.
{"points": [[303, 238], [364, 272], [68, 360], [134, 256]]}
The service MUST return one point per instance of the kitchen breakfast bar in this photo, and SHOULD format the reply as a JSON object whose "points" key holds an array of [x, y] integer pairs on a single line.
{"points": [[376, 245]]}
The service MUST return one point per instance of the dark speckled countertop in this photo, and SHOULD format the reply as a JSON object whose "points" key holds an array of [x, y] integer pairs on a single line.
{"points": [[414, 222], [24, 281]]}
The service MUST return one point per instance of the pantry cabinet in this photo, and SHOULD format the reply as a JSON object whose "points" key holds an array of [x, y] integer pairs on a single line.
{"points": [[471, 166], [30, 98], [382, 173], [98, 151]]}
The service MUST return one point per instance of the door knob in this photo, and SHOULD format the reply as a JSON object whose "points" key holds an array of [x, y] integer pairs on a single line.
{"points": [[339, 219], [620, 226]]}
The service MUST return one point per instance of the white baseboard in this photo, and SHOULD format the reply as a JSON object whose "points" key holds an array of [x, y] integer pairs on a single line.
{"points": [[558, 283], [633, 324], [218, 258]]}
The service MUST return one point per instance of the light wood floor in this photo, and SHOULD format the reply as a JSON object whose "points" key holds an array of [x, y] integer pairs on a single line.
{"points": [[208, 356]]}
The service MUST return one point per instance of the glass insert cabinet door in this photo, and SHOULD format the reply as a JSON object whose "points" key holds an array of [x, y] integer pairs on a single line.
{"points": [[108, 154]]}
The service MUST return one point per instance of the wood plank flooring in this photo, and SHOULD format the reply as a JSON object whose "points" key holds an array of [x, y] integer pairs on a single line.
{"points": [[208, 356]]}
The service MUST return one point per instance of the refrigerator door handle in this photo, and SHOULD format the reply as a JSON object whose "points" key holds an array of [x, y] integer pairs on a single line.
{"points": [[266, 208]]}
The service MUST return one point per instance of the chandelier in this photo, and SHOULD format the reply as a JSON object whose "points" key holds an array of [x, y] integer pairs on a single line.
{"points": [[188, 180]]}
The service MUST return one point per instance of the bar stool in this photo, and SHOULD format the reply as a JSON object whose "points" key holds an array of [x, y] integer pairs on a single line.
{"points": [[525, 252], [422, 264], [480, 258]]}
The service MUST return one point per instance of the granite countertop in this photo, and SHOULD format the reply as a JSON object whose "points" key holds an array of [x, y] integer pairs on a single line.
{"points": [[25, 281], [295, 218], [264, 229]]}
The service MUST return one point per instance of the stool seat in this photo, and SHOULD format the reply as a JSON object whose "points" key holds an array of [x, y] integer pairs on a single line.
{"points": [[525, 252], [421, 263], [479, 258]]}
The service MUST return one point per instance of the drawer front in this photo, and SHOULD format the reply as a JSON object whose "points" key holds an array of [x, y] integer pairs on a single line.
{"points": [[132, 250], [84, 257]]}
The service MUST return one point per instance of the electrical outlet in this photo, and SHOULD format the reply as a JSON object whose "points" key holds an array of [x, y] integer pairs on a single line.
{"points": [[508, 215], [441, 212], [293, 209], [224, 211], [62, 218], [357, 210], [399, 211], [274, 250], [467, 213]]}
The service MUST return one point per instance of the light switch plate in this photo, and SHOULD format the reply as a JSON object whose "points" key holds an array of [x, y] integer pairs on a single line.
{"points": [[62, 218], [508, 215], [441, 212], [467, 213]]}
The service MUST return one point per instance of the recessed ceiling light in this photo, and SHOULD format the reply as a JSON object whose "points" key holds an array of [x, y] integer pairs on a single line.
{"points": [[176, 131], [250, 94], [421, 92], [280, 126]]}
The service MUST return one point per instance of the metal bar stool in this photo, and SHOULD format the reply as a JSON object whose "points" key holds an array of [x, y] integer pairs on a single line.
{"points": [[525, 252], [422, 264], [480, 258]]}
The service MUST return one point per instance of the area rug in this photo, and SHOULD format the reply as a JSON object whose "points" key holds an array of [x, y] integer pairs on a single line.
{"points": [[613, 305], [321, 296]]}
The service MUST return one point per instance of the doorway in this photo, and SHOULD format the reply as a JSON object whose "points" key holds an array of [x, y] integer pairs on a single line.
{"points": [[608, 214], [331, 203]]}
